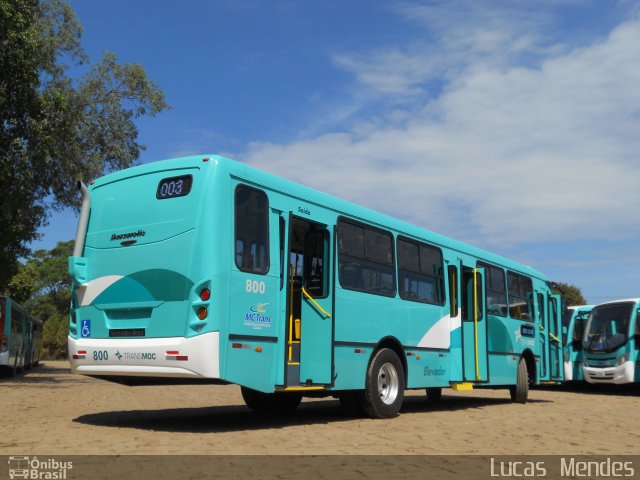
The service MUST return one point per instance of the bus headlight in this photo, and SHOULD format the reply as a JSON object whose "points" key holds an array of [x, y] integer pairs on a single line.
{"points": [[624, 358]]}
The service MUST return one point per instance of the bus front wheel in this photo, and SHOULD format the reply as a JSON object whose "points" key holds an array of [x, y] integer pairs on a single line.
{"points": [[279, 402], [520, 391], [384, 386]]}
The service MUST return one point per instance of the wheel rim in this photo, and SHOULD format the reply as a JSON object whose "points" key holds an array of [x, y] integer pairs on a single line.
{"points": [[388, 383]]}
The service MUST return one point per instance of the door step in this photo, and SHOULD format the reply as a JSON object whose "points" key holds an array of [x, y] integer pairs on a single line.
{"points": [[462, 386]]}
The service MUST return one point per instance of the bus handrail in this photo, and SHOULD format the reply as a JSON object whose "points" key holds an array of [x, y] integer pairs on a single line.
{"points": [[317, 305]]}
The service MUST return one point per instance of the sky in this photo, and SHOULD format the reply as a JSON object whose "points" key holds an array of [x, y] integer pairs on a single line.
{"points": [[510, 125]]}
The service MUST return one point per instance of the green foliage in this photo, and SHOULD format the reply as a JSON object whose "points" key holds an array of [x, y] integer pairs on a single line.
{"points": [[571, 293], [43, 286], [56, 130]]}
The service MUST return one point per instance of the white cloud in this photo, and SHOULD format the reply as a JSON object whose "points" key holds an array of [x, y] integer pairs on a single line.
{"points": [[509, 151]]}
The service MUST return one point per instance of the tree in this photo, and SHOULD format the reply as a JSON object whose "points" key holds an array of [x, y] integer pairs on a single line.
{"points": [[571, 293], [54, 129], [42, 285]]}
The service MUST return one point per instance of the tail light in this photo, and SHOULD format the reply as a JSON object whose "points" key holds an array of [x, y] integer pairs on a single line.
{"points": [[205, 294], [202, 313]]}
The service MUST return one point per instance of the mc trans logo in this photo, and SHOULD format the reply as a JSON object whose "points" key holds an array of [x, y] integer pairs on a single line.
{"points": [[41, 469], [256, 316]]}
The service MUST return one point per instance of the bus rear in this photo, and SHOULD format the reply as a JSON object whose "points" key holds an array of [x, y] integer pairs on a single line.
{"points": [[611, 341], [142, 276]]}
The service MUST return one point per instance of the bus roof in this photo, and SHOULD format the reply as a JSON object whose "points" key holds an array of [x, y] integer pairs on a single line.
{"points": [[312, 196], [634, 300]]}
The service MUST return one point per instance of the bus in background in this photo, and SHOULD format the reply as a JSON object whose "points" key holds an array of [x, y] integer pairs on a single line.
{"points": [[573, 320], [205, 269], [21, 338], [611, 342]]}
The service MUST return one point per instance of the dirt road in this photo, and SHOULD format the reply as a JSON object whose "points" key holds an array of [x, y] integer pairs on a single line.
{"points": [[50, 412]]}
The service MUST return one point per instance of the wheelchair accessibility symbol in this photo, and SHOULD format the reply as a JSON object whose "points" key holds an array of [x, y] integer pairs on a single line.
{"points": [[86, 328]]}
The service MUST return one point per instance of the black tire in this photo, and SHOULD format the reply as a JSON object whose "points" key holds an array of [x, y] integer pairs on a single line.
{"points": [[384, 386], [278, 403], [520, 391], [434, 395]]}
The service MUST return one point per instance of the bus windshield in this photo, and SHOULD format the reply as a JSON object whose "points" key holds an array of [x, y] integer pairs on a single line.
{"points": [[607, 328]]}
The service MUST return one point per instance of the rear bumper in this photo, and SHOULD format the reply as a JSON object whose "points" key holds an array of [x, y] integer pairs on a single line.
{"points": [[177, 357], [617, 375]]}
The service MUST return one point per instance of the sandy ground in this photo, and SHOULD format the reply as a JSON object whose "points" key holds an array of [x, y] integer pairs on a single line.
{"points": [[49, 411]]}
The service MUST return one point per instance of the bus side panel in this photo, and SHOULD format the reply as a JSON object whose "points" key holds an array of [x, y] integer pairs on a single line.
{"points": [[502, 368], [427, 369], [367, 319], [252, 363], [504, 347], [455, 355], [351, 363]]}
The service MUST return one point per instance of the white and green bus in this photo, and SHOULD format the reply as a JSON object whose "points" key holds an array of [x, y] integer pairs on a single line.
{"points": [[611, 343], [205, 269]]}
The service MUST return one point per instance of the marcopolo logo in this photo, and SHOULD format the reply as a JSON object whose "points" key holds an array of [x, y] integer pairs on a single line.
{"points": [[125, 236], [34, 468], [256, 316]]}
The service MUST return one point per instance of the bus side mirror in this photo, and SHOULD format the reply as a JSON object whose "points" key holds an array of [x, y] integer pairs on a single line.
{"points": [[576, 345]]}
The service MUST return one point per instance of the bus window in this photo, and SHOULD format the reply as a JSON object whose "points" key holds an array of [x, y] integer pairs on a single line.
{"points": [[366, 259], [541, 308], [520, 297], [420, 273], [496, 290], [469, 302], [553, 315], [252, 230], [453, 291], [315, 272], [282, 233]]}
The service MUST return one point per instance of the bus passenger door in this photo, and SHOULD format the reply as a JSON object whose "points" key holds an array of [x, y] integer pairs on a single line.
{"points": [[475, 358], [543, 325], [310, 303]]}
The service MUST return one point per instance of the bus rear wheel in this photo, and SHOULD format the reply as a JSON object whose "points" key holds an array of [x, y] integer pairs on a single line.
{"points": [[384, 386], [520, 391], [278, 403]]}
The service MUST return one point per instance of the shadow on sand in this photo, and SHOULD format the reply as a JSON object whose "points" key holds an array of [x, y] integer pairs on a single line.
{"points": [[239, 417]]}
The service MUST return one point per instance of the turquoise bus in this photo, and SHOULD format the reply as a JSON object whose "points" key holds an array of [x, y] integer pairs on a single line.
{"points": [[611, 343], [21, 338], [202, 268], [573, 321]]}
